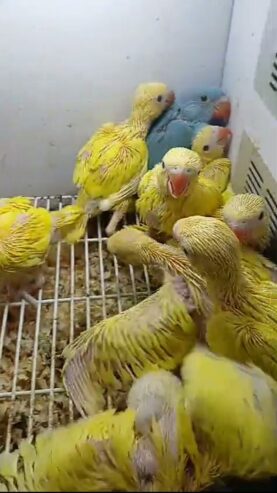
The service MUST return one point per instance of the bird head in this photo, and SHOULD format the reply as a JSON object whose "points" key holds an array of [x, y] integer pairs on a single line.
{"points": [[211, 142], [208, 105], [221, 111], [152, 99], [180, 169], [247, 216], [210, 245]]}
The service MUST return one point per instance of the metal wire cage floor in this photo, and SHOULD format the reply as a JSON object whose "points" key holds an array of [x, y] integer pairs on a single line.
{"points": [[84, 284]]}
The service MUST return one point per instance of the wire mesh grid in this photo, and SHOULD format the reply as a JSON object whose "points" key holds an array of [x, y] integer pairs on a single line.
{"points": [[84, 284]]}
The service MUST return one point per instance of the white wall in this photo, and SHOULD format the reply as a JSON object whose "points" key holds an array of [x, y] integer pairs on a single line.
{"points": [[248, 110], [69, 65]]}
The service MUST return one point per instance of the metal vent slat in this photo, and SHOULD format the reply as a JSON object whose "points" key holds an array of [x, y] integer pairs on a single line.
{"points": [[251, 175]]}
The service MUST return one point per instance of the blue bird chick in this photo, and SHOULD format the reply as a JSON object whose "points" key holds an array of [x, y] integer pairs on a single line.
{"points": [[177, 127]]}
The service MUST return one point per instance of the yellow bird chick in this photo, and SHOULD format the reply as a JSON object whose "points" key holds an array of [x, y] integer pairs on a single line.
{"points": [[232, 408], [172, 190], [24, 241], [102, 453], [212, 144], [105, 359], [156, 333], [243, 323], [246, 214], [111, 164]]}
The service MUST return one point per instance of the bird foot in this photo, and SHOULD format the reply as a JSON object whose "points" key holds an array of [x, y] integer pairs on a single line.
{"points": [[113, 223]]}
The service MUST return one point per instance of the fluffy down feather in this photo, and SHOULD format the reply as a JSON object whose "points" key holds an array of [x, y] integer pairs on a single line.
{"points": [[102, 453]]}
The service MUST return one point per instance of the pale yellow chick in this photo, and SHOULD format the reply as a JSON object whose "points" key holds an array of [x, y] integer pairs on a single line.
{"points": [[247, 216], [173, 190], [111, 164]]}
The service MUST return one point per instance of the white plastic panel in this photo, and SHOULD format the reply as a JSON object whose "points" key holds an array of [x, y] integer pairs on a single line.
{"points": [[266, 73], [252, 175], [249, 112], [69, 65]]}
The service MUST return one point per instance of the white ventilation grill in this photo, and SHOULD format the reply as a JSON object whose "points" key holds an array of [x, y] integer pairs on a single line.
{"points": [[266, 72], [252, 175]]}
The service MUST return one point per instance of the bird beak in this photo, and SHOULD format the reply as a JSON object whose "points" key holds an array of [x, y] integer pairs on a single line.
{"points": [[222, 111], [178, 184], [241, 233], [224, 137], [170, 98]]}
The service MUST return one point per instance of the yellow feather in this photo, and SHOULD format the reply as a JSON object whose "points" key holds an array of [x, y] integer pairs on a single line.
{"points": [[111, 164], [19, 204], [69, 223], [156, 333], [24, 239], [243, 324], [247, 216], [159, 209], [233, 411], [218, 171]]}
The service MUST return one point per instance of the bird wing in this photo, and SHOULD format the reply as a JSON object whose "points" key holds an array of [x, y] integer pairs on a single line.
{"points": [[204, 200], [245, 339], [84, 157], [155, 333], [73, 456], [115, 158], [218, 171], [257, 267]]}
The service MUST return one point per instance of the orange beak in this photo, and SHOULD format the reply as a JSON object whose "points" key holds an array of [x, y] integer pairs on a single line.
{"points": [[178, 184], [222, 111], [170, 99], [241, 234], [224, 137]]}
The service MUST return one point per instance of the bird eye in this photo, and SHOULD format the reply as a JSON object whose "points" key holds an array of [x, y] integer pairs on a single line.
{"points": [[159, 98], [261, 216], [163, 165], [185, 251], [206, 148], [204, 98]]}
